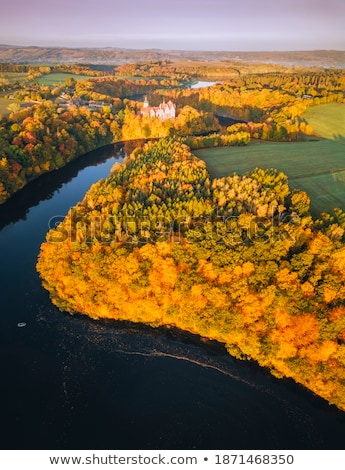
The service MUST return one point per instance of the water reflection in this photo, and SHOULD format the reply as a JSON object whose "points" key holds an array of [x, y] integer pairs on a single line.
{"points": [[169, 389], [203, 84], [44, 187]]}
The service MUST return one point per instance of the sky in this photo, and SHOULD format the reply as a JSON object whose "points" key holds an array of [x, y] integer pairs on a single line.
{"points": [[222, 25]]}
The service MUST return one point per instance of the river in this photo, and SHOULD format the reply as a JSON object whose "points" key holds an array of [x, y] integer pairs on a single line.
{"points": [[202, 84], [69, 382]]}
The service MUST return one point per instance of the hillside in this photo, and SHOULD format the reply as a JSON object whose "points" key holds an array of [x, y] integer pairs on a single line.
{"points": [[113, 55]]}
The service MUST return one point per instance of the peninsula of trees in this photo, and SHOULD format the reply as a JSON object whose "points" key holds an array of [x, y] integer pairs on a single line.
{"points": [[237, 259]]}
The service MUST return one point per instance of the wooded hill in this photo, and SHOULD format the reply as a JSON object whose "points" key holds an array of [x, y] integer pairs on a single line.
{"points": [[113, 55], [237, 259]]}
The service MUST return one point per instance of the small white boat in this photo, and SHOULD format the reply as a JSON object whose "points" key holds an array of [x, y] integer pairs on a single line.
{"points": [[21, 324]]}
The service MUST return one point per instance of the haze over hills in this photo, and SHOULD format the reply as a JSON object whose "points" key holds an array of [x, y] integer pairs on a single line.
{"points": [[113, 55]]}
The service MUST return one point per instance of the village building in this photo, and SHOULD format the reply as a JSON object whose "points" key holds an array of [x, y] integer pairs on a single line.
{"points": [[163, 111]]}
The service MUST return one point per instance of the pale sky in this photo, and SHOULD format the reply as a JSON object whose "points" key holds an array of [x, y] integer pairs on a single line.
{"points": [[241, 25]]}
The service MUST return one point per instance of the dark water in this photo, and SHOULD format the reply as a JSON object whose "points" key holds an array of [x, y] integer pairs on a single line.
{"points": [[228, 121], [73, 383]]}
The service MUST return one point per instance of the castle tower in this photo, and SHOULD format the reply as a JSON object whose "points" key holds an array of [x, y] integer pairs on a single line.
{"points": [[146, 103]]}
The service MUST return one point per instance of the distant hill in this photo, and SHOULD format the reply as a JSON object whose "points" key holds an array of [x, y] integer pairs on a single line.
{"points": [[113, 55]]}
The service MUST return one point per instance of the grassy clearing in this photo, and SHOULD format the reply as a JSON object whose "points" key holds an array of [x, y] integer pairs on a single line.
{"points": [[58, 78], [327, 120], [13, 77], [316, 167], [4, 105]]}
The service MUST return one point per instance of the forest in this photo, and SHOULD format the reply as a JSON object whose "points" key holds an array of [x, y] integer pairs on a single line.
{"points": [[237, 259], [47, 132], [38, 139]]}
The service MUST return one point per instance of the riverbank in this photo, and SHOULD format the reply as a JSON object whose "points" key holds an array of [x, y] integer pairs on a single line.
{"points": [[38, 140]]}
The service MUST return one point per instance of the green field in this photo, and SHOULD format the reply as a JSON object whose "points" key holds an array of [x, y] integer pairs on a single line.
{"points": [[58, 78], [13, 77], [327, 120], [317, 167], [4, 104]]}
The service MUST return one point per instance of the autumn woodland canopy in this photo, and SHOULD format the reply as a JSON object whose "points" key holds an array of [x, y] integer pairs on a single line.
{"points": [[237, 259], [52, 131]]}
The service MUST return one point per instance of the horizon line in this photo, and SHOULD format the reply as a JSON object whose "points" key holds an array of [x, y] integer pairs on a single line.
{"points": [[171, 50]]}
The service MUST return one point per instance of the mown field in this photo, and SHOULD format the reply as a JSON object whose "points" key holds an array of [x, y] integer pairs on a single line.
{"points": [[13, 77], [58, 78], [317, 167], [327, 120], [4, 103]]}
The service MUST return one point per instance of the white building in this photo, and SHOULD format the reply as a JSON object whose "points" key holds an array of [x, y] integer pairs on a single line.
{"points": [[163, 111]]}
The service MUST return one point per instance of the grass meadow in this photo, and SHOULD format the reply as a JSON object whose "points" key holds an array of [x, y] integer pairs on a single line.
{"points": [[58, 78], [13, 77], [317, 167], [4, 103], [327, 120]]}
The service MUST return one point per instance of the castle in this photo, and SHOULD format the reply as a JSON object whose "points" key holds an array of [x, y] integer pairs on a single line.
{"points": [[163, 111]]}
